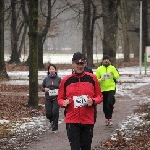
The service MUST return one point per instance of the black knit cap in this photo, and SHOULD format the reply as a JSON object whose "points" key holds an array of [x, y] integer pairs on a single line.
{"points": [[106, 57], [78, 58]]}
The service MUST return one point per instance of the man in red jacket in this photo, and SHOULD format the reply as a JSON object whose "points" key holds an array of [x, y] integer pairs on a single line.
{"points": [[79, 93]]}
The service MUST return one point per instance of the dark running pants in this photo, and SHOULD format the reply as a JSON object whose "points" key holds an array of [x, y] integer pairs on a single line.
{"points": [[80, 136], [108, 102], [52, 112]]}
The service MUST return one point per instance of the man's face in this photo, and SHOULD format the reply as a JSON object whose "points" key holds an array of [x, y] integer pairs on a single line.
{"points": [[106, 62], [78, 67]]}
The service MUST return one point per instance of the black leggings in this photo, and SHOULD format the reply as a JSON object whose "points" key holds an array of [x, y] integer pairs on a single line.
{"points": [[52, 112], [80, 136], [108, 102]]}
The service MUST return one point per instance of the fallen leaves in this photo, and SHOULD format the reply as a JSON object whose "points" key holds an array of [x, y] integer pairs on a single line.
{"points": [[14, 108], [140, 139]]}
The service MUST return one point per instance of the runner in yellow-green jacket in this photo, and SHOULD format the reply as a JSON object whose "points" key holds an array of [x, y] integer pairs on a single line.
{"points": [[106, 73]]}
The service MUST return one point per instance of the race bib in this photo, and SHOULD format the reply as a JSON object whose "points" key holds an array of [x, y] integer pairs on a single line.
{"points": [[106, 76], [80, 101], [53, 92]]}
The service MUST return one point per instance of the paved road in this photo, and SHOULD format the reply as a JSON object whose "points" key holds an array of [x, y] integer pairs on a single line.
{"points": [[48, 141]]}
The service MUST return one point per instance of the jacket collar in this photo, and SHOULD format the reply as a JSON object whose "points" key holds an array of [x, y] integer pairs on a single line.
{"points": [[79, 75]]}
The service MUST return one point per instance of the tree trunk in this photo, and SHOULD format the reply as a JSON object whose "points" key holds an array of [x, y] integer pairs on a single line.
{"points": [[93, 18], [33, 53], [22, 40], [42, 35], [86, 39], [125, 33], [110, 26], [40, 52], [144, 27], [3, 73], [14, 38]]}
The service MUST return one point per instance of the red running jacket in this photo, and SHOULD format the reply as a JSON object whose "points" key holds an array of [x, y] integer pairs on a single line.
{"points": [[77, 85]]}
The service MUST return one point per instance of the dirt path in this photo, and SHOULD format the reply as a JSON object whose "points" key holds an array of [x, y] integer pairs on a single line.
{"points": [[123, 107]]}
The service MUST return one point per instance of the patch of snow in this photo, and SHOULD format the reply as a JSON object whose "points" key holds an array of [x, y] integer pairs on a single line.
{"points": [[4, 121]]}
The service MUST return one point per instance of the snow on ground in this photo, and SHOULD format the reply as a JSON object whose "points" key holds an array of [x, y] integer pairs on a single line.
{"points": [[4, 121], [130, 78]]}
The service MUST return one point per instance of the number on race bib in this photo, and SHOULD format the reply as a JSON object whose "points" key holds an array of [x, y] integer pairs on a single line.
{"points": [[53, 92], [80, 101], [106, 75]]}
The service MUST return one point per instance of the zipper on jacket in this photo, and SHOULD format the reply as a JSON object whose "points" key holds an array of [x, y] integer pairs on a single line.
{"points": [[52, 81], [79, 107], [79, 78]]}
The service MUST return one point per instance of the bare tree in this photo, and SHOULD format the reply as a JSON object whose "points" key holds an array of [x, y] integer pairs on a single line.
{"points": [[45, 16], [145, 35], [89, 17], [86, 40], [124, 30], [43, 32], [33, 53], [3, 73], [16, 29], [132, 11], [110, 27]]}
